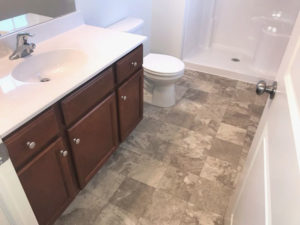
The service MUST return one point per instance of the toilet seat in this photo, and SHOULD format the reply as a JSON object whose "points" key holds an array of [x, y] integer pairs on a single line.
{"points": [[166, 75], [163, 65], [162, 76]]}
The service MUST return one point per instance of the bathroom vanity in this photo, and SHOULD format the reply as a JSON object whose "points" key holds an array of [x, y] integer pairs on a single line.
{"points": [[58, 144]]}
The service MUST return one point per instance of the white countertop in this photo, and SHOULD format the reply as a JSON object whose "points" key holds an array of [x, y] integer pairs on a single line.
{"points": [[20, 102]]}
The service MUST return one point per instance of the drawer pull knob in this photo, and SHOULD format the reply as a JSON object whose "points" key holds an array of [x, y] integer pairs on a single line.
{"points": [[134, 64], [124, 98], [76, 141], [64, 153], [31, 144]]}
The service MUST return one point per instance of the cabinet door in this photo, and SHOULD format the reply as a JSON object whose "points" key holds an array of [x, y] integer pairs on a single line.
{"points": [[94, 138], [130, 99], [44, 180]]}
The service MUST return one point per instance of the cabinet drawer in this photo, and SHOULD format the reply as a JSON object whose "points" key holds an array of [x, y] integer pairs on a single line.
{"points": [[81, 101], [129, 64], [30, 139]]}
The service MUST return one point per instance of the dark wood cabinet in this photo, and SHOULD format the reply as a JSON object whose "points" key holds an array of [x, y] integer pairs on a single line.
{"points": [[130, 99], [44, 180], [65, 146], [93, 139]]}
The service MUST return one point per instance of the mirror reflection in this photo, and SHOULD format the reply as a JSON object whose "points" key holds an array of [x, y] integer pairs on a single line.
{"points": [[16, 15]]}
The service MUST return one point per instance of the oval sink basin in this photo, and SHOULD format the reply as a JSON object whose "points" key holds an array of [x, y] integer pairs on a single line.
{"points": [[49, 66]]}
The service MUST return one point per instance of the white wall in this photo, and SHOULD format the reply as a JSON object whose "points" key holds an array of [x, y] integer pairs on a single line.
{"points": [[106, 12], [167, 27], [164, 20]]}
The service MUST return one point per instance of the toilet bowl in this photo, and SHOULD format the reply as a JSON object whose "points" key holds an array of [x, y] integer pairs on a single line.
{"points": [[161, 71]]}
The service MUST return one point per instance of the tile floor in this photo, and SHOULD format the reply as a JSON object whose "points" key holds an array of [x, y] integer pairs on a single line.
{"points": [[181, 164]]}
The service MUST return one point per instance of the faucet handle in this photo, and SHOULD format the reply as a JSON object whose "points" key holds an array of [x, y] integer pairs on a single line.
{"points": [[23, 48], [26, 34], [23, 36]]}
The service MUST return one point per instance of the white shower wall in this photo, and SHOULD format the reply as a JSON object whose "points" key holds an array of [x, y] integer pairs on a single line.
{"points": [[217, 31], [199, 25], [234, 28]]}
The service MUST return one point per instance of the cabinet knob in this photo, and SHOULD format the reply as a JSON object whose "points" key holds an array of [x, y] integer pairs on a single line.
{"points": [[134, 64], [76, 141], [64, 153], [124, 98], [31, 144]]}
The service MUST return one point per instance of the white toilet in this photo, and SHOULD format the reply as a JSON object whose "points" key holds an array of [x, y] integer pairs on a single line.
{"points": [[161, 71]]}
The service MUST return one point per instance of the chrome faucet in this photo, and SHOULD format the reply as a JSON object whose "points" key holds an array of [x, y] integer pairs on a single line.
{"points": [[23, 48]]}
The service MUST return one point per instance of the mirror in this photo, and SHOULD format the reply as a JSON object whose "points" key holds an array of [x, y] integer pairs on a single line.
{"points": [[16, 15]]}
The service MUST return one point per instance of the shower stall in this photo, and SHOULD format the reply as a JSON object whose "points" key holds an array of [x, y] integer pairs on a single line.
{"points": [[243, 40]]}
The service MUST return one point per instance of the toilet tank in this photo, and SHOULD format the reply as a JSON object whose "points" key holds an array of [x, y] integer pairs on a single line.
{"points": [[130, 25]]}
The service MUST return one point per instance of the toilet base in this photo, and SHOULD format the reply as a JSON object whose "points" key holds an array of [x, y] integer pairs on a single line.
{"points": [[164, 95]]}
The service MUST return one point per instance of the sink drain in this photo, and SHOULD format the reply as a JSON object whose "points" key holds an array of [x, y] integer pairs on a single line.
{"points": [[235, 60], [44, 80]]}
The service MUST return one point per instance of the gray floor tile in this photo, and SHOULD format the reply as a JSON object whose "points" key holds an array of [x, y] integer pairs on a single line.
{"points": [[205, 126], [164, 209], [226, 151], [105, 183], [246, 96], [147, 143], [256, 110], [194, 140], [195, 216], [210, 196], [239, 107], [123, 161], [196, 95], [179, 118], [178, 183], [148, 171], [133, 197], [237, 119], [185, 159], [231, 134], [225, 82], [246, 86], [113, 215], [217, 170]]}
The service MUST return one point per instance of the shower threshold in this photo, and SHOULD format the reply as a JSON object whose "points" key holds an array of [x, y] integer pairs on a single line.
{"points": [[227, 64]]}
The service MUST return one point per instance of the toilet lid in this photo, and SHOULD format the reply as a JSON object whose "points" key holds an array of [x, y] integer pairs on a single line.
{"points": [[163, 65]]}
